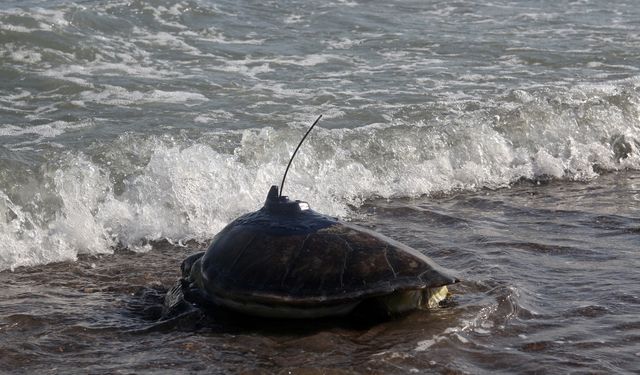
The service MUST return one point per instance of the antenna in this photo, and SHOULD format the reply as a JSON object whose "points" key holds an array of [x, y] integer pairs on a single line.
{"points": [[294, 154]]}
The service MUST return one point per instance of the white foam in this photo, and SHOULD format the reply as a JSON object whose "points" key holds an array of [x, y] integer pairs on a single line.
{"points": [[344, 43], [24, 242], [313, 60], [120, 96], [304, 61], [21, 54], [15, 98], [177, 9], [47, 19], [213, 116], [49, 130], [166, 39], [79, 223], [245, 68], [160, 13], [279, 90], [294, 18], [547, 165], [180, 189], [217, 36], [348, 3], [477, 77], [16, 28]]}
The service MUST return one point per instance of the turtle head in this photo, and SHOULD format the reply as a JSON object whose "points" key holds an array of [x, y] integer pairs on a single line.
{"points": [[281, 204]]}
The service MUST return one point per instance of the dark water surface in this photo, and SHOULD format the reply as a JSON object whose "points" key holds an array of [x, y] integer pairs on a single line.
{"points": [[550, 285], [131, 127]]}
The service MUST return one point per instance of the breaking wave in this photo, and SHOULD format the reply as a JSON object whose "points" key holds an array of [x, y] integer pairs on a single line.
{"points": [[137, 188], [125, 122]]}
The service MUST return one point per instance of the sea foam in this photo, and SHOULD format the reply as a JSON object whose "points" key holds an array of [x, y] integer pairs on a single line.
{"points": [[141, 188]]}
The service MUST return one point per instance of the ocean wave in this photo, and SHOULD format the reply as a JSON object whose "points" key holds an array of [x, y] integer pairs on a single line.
{"points": [[139, 188], [126, 122]]}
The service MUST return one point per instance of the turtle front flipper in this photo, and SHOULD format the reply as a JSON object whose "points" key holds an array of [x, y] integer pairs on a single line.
{"points": [[175, 302]]}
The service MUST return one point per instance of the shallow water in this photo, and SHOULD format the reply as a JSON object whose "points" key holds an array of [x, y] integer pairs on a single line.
{"points": [[550, 284], [501, 138], [123, 122]]}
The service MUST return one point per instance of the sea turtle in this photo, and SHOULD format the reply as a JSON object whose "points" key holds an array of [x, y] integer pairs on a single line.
{"points": [[287, 261]]}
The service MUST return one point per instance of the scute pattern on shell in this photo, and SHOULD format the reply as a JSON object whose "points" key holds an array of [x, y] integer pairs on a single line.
{"points": [[337, 262]]}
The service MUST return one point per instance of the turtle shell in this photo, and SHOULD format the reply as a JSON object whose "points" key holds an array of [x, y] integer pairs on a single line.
{"points": [[287, 253]]}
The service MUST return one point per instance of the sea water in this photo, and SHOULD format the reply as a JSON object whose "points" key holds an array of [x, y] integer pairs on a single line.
{"points": [[499, 138]]}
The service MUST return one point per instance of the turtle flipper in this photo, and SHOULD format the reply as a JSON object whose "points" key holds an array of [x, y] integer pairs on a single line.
{"points": [[187, 264]]}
